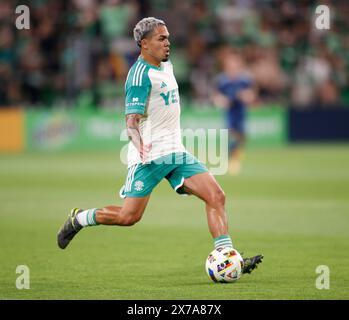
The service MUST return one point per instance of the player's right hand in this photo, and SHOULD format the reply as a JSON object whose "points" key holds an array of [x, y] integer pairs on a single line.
{"points": [[144, 151]]}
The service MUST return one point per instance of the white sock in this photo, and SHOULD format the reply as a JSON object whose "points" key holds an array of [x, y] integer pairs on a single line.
{"points": [[87, 217]]}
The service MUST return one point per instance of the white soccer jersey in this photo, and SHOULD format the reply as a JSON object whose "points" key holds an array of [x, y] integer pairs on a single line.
{"points": [[153, 92]]}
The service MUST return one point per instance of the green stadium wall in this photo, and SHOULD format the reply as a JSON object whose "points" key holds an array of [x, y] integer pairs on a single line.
{"points": [[62, 130]]}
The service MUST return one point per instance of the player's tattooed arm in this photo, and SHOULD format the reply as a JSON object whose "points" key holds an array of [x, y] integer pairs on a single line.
{"points": [[133, 132]]}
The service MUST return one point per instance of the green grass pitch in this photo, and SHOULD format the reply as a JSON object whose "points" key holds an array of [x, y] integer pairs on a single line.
{"points": [[291, 204]]}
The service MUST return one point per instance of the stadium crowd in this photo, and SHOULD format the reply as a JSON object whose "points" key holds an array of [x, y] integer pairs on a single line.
{"points": [[77, 53]]}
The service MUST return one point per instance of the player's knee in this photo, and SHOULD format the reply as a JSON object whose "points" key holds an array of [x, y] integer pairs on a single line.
{"points": [[217, 198], [220, 198], [132, 218], [130, 221]]}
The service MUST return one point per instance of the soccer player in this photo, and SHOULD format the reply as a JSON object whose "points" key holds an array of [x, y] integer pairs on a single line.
{"points": [[234, 91], [156, 151]]}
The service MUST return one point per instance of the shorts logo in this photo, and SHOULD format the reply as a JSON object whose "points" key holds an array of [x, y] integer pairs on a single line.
{"points": [[135, 100], [139, 185]]}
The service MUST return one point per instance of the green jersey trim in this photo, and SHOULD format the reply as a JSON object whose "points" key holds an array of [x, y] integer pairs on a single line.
{"points": [[150, 65], [137, 87]]}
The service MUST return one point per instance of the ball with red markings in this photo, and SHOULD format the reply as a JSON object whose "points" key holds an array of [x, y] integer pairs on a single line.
{"points": [[224, 265]]}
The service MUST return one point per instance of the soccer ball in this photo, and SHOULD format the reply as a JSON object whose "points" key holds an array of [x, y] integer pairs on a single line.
{"points": [[224, 265]]}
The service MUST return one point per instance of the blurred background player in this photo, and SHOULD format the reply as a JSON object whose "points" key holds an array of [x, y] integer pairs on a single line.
{"points": [[234, 92]]}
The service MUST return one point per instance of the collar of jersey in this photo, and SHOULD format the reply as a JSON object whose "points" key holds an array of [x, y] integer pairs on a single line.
{"points": [[150, 65]]}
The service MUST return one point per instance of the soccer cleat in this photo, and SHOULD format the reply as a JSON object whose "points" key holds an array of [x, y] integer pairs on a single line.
{"points": [[251, 263], [70, 228]]}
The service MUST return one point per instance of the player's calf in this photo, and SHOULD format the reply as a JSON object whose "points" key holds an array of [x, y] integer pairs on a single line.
{"points": [[119, 216]]}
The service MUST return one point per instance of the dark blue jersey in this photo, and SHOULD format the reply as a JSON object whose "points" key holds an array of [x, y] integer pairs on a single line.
{"points": [[230, 88]]}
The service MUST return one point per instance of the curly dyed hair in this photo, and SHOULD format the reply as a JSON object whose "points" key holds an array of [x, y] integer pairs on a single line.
{"points": [[144, 27]]}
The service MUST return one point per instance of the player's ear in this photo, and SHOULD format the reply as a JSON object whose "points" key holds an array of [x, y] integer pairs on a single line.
{"points": [[144, 43]]}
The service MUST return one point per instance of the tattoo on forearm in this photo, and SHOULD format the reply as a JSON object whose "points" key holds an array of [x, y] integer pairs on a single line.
{"points": [[132, 124]]}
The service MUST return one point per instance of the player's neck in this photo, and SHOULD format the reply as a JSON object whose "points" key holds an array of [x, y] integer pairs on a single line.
{"points": [[151, 60]]}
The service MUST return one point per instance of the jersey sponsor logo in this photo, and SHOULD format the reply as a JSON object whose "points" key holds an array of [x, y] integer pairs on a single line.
{"points": [[170, 96], [135, 102]]}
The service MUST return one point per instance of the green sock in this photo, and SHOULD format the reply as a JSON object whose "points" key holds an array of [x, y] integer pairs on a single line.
{"points": [[223, 241]]}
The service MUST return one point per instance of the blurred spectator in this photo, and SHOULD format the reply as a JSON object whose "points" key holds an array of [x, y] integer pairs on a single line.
{"points": [[77, 53], [268, 75]]}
